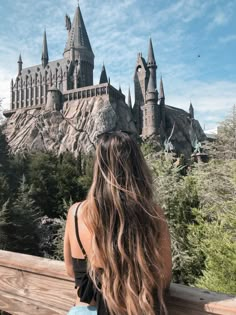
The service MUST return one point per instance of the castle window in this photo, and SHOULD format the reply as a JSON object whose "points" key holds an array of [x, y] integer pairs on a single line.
{"points": [[139, 68]]}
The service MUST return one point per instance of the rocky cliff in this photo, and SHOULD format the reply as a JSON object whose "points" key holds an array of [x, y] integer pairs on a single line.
{"points": [[74, 129]]}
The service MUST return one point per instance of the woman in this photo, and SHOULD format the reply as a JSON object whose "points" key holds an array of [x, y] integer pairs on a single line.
{"points": [[117, 243]]}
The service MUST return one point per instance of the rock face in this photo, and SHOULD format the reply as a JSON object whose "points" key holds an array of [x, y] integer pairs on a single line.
{"points": [[183, 131], [74, 129]]}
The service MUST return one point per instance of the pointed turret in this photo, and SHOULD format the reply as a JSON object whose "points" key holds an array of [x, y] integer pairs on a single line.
{"points": [[103, 76], [77, 35], [129, 99], [19, 65], [161, 92], [45, 50], [120, 89], [151, 58], [162, 114], [191, 111], [151, 62]]}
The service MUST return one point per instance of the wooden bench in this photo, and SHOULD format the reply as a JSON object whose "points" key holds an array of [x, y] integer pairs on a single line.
{"points": [[39, 286]]}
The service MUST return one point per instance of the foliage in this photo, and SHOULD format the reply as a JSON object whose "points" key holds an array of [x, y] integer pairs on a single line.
{"points": [[177, 196], [225, 145], [4, 152], [201, 212], [214, 232], [22, 216]]}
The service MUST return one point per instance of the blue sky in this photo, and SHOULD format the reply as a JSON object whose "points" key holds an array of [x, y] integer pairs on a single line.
{"points": [[181, 31]]}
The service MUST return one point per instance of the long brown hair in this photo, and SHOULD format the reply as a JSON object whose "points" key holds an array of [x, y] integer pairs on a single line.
{"points": [[124, 221]]}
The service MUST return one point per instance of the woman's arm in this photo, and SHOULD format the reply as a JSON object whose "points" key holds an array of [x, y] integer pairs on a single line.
{"points": [[67, 248]]}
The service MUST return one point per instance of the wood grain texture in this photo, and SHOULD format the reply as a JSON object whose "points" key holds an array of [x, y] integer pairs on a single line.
{"points": [[33, 285]]}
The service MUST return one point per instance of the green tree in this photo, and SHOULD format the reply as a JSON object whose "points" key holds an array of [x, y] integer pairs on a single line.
{"points": [[177, 195], [4, 152], [4, 220], [43, 178], [23, 218], [68, 179], [225, 145], [213, 233]]}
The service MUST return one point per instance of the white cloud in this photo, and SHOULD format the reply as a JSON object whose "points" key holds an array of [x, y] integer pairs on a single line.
{"points": [[227, 39]]}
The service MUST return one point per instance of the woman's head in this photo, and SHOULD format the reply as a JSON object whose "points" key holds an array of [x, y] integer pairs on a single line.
{"points": [[120, 167], [124, 220]]}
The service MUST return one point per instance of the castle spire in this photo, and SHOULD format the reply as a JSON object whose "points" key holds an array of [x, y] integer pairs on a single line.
{"points": [[19, 64], [162, 94], [162, 111], [151, 62], [151, 58], [82, 51], [77, 33], [191, 111], [103, 76], [45, 50], [129, 99]]}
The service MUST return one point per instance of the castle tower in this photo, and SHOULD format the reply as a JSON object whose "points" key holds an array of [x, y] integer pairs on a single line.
{"points": [[53, 99], [78, 39], [141, 77], [162, 116], [150, 109], [103, 76], [45, 51], [191, 111], [19, 65], [150, 113]]}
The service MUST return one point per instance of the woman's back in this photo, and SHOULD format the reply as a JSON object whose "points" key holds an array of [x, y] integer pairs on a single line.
{"points": [[123, 231]]}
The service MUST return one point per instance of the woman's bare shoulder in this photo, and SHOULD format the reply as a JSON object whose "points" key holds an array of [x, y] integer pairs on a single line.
{"points": [[72, 209]]}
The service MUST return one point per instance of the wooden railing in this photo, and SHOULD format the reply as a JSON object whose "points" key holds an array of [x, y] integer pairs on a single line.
{"points": [[40, 286]]}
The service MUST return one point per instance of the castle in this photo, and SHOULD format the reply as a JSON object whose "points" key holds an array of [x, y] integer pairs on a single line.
{"points": [[50, 84]]}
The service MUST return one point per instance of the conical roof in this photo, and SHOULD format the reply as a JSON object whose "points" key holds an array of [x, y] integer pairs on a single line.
{"points": [[162, 93], [103, 76], [45, 47], [78, 34], [151, 58], [20, 59]]}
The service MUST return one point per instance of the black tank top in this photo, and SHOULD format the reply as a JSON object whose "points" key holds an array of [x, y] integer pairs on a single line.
{"points": [[87, 291]]}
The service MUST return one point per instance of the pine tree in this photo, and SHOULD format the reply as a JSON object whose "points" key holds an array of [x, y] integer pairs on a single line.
{"points": [[4, 153], [23, 222], [43, 178], [4, 221]]}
